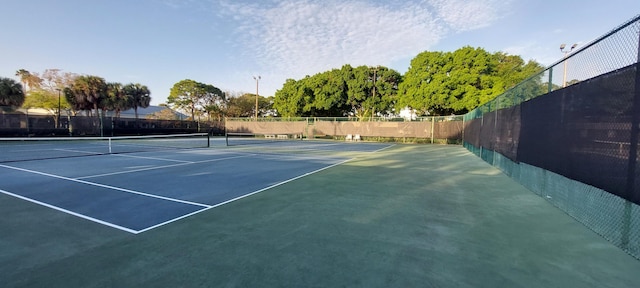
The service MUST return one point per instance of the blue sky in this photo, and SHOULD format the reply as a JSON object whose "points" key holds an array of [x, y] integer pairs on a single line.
{"points": [[225, 43]]}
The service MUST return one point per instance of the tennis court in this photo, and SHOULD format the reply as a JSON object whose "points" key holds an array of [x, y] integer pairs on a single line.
{"points": [[288, 214], [141, 187]]}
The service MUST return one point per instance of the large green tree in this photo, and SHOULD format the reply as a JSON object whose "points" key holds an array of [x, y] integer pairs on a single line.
{"points": [[442, 83], [11, 93], [289, 100], [360, 92], [195, 97]]}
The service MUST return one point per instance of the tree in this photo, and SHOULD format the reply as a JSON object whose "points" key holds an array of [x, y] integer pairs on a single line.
{"points": [[329, 94], [117, 99], [443, 83], [47, 93], [54, 79], [138, 96], [11, 93], [359, 84], [29, 80], [339, 92], [87, 93], [372, 90], [386, 90], [241, 106], [53, 102], [195, 96], [289, 100], [164, 114], [213, 101]]}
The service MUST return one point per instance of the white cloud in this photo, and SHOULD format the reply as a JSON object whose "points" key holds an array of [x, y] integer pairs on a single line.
{"points": [[300, 37], [464, 15]]}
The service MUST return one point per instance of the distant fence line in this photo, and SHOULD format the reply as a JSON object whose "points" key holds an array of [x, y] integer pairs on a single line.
{"points": [[423, 129], [23, 125]]}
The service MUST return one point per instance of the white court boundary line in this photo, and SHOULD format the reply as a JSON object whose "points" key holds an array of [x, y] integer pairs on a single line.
{"points": [[204, 206], [384, 148], [105, 186], [70, 212]]}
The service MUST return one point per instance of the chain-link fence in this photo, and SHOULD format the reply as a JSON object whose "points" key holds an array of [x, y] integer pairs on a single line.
{"points": [[571, 134]]}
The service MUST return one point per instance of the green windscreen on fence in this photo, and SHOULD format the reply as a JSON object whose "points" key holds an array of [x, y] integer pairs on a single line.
{"points": [[571, 134]]}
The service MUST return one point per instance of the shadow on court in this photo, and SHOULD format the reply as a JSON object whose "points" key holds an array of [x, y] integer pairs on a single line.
{"points": [[407, 216]]}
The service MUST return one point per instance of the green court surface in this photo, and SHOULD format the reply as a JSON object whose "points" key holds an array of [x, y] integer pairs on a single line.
{"points": [[406, 216]]}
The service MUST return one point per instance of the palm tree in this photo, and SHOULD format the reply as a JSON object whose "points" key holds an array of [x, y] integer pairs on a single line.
{"points": [[11, 93], [87, 93], [117, 100], [140, 95]]}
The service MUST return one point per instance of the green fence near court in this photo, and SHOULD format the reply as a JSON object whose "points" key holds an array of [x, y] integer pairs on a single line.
{"points": [[571, 135]]}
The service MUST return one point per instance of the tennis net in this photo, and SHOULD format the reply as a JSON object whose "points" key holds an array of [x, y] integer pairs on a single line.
{"points": [[234, 139], [26, 149]]}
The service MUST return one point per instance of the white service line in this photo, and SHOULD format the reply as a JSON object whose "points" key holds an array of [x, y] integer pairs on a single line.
{"points": [[384, 148], [151, 158], [105, 186], [70, 212], [159, 167], [81, 152]]}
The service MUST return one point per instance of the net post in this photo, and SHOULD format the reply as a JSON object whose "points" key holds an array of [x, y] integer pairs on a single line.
{"points": [[109, 145]]}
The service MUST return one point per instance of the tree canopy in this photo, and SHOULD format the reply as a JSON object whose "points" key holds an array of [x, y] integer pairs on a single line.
{"points": [[436, 83], [11, 93], [442, 83], [245, 105], [87, 93], [93, 93], [195, 97], [136, 96], [348, 91]]}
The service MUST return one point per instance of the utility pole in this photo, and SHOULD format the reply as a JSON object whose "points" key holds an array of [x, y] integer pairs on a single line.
{"points": [[373, 106], [257, 78], [58, 123], [566, 52]]}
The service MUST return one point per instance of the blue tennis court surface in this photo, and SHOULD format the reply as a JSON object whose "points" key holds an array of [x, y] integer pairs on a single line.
{"points": [[139, 191]]}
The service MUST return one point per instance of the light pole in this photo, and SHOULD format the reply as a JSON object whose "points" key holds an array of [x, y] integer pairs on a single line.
{"points": [[58, 123], [566, 52], [257, 78], [373, 106]]}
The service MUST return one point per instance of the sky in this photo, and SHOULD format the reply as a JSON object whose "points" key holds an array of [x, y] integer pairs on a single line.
{"points": [[227, 43]]}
